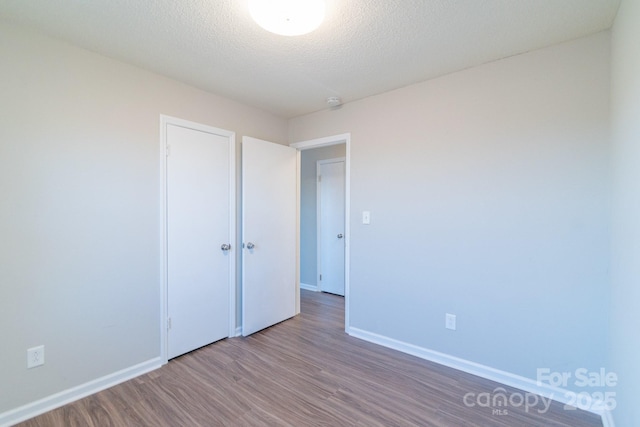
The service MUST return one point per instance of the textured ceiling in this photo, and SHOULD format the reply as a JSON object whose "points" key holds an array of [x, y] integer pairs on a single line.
{"points": [[364, 47]]}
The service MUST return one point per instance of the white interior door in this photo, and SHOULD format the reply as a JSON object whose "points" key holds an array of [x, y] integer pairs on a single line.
{"points": [[198, 211], [331, 230], [269, 192]]}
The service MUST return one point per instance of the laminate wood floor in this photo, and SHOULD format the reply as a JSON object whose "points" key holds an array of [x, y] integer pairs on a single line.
{"points": [[303, 372]]}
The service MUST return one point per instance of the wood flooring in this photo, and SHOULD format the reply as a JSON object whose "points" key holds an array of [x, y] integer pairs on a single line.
{"points": [[304, 372]]}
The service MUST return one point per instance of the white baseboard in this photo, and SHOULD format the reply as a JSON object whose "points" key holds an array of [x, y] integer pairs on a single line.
{"points": [[607, 419], [313, 288], [502, 377], [54, 401]]}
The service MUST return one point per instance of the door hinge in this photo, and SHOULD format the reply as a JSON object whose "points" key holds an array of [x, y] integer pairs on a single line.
{"points": [[321, 277], [319, 178], [167, 150], [169, 323]]}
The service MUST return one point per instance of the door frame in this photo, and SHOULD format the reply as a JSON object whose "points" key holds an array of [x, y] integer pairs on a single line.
{"points": [[164, 282], [344, 138], [319, 185]]}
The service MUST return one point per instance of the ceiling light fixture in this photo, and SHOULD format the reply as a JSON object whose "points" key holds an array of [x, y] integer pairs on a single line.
{"points": [[288, 17]]}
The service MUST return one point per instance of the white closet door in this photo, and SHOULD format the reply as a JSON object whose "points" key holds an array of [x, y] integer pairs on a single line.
{"points": [[197, 226]]}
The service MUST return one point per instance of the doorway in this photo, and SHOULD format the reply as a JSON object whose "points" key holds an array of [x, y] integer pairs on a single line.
{"points": [[310, 215], [310, 153]]}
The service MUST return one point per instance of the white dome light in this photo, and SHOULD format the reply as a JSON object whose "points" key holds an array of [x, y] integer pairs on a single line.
{"points": [[288, 17]]}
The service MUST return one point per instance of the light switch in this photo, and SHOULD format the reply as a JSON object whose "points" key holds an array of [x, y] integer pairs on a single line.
{"points": [[366, 217]]}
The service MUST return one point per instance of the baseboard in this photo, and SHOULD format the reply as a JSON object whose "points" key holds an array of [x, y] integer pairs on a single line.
{"points": [[313, 288], [238, 331], [607, 419], [502, 377], [54, 401]]}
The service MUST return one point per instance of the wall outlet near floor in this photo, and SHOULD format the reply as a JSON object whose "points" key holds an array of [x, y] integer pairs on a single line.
{"points": [[450, 321], [35, 356]]}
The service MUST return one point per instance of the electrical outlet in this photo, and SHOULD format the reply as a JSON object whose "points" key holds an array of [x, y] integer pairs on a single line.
{"points": [[450, 321], [35, 356]]}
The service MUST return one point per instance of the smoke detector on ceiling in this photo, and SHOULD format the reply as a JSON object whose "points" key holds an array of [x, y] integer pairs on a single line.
{"points": [[334, 101]]}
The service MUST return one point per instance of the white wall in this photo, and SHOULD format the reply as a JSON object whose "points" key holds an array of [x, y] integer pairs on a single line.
{"points": [[309, 209], [625, 264], [489, 199], [80, 208]]}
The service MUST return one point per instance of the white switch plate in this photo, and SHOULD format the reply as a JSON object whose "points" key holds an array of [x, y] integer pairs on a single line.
{"points": [[366, 217], [450, 321], [35, 356]]}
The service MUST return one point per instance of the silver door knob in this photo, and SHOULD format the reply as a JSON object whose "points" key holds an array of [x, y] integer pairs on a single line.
{"points": [[225, 247], [340, 236], [250, 245]]}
